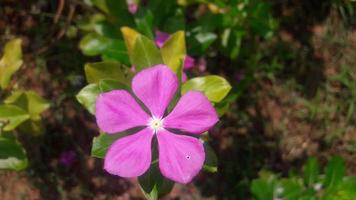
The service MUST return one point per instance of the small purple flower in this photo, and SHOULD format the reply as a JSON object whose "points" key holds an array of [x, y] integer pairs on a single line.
{"points": [[181, 157], [161, 38], [67, 158]]}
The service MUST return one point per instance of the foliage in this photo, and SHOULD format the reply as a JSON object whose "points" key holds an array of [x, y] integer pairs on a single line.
{"points": [[20, 110], [332, 184]]}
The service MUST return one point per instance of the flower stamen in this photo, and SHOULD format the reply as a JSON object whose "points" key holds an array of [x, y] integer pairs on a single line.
{"points": [[155, 124]]}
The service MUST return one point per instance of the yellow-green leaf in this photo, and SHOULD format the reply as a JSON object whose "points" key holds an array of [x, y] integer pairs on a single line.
{"points": [[95, 72], [87, 97], [130, 37], [12, 116], [173, 51], [145, 53], [10, 62], [36, 105], [29, 101], [214, 87]]}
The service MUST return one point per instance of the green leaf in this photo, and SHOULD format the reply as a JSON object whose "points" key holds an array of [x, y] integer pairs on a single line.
{"points": [[214, 87], [95, 72], [94, 44], [108, 85], [29, 101], [292, 189], [145, 24], [87, 97], [211, 160], [153, 184], [13, 116], [145, 53], [130, 37], [12, 155], [335, 171], [102, 142], [10, 62], [36, 105], [174, 50], [263, 188], [311, 171]]}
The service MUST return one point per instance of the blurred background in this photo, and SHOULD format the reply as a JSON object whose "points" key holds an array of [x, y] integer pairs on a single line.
{"points": [[291, 64]]}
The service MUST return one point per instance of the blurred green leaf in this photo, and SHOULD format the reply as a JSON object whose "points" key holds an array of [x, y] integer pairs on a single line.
{"points": [[95, 72], [12, 155], [13, 116], [34, 127], [211, 160], [36, 105], [29, 101], [145, 53], [87, 97], [174, 50], [10, 62], [93, 44], [153, 184], [292, 189], [335, 171], [144, 24], [264, 187], [311, 171], [214, 87], [102, 142]]}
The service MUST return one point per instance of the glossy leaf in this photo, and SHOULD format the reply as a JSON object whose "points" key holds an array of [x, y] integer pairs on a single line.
{"points": [[214, 87], [87, 97], [93, 44], [173, 50], [10, 62], [145, 53], [102, 142], [94, 72], [12, 155], [130, 37], [335, 171], [311, 171], [153, 184], [12, 116]]}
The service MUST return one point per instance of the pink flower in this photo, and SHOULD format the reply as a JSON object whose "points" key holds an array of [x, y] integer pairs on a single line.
{"points": [[181, 157], [132, 7]]}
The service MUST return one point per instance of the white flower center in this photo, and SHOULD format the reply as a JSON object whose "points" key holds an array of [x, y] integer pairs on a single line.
{"points": [[155, 124]]}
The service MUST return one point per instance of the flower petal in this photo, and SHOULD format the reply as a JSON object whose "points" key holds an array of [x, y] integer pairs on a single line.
{"points": [[130, 156], [180, 157], [193, 113], [118, 111], [155, 87]]}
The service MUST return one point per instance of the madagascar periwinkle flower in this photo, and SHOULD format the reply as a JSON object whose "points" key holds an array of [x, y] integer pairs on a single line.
{"points": [[180, 156]]}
